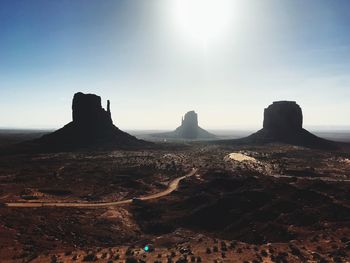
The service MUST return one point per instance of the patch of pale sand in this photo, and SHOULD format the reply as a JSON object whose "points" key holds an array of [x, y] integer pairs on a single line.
{"points": [[347, 161], [240, 157], [121, 215], [111, 213]]}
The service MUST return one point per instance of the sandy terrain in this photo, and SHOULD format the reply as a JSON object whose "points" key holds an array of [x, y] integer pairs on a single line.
{"points": [[289, 205]]}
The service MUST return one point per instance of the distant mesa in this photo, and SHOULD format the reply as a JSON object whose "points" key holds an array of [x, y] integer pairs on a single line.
{"points": [[283, 123], [92, 126], [189, 129]]}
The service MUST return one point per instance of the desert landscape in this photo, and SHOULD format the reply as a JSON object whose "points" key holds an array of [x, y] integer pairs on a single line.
{"points": [[286, 204], [174, 131], [196, 201]]}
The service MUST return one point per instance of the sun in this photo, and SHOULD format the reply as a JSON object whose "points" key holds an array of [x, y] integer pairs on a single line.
{"points": [[202, 22]]}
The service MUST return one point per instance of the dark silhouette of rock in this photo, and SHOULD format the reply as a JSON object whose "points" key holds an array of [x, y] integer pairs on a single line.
{"points": [[189, 129], [283, 123], [87, 110], [283, 116], [92, 127]]}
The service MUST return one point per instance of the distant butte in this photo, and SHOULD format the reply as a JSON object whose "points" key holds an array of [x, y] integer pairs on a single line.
{"points": [[189, 129], [283, 123], [92, 126]]}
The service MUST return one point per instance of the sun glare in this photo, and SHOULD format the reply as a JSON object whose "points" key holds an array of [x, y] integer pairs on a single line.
{"points": [[202, 22]]}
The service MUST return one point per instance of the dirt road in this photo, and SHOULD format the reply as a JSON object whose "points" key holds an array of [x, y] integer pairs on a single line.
{"points": [[173, 185]]}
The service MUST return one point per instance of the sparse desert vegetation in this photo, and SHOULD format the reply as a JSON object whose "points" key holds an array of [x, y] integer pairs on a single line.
{"points": [[274, 209], [174, 131]]}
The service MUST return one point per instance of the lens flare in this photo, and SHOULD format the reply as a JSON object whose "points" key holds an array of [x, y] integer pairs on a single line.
{"points": [[202, 21]]}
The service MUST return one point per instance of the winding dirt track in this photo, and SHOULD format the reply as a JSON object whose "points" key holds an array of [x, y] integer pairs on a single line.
{"points": [[173, 185]]}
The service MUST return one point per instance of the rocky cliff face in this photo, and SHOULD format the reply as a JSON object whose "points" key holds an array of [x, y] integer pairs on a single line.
{"points": [[190, 120], [283, 116], [189, 126], [87, 110], [92, 127]]}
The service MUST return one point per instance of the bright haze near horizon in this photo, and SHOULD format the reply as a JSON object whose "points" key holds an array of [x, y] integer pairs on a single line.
{"points": [[157, 59]]}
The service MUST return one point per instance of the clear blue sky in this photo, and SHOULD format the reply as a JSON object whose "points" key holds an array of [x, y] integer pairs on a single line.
{"points": [[157, 59]]}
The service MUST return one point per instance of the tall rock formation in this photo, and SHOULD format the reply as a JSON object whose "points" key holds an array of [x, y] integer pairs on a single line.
{"points": [[87, 111], [189, 129], [283, 116], [92, 126], [283, 123]]}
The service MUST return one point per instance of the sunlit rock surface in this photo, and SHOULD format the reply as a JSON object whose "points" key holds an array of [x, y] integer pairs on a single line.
{"points": [[240, 157]]}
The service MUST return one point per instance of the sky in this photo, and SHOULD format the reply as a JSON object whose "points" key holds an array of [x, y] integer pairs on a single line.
{"points": [[157, 59]]}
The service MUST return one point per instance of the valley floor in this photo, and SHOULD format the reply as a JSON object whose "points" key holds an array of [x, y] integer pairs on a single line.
{"points": [[274, 203]]}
